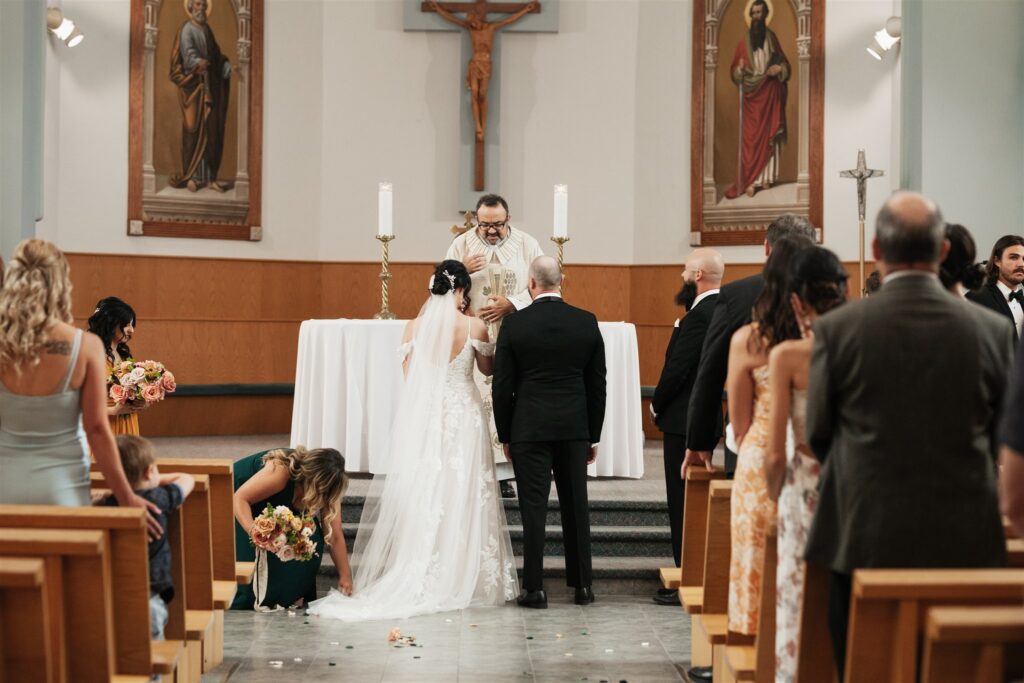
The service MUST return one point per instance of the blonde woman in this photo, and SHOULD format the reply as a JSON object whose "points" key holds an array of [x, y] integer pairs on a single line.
{"points": [[307, 481], [51, 380]]}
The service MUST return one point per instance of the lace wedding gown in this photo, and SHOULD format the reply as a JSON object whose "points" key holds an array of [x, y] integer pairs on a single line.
{"points": [[432, 537]]}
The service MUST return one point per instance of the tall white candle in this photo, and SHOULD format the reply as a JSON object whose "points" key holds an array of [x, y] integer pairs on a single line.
{"points": [[561, 211], [384, 210]]}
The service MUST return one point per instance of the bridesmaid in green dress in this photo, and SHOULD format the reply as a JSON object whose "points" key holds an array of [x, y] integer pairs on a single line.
{"points": [[307, 481]]}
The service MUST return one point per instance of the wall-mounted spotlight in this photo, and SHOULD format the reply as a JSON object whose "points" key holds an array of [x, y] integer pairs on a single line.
{"points": [[62, 27], [886, 38]]}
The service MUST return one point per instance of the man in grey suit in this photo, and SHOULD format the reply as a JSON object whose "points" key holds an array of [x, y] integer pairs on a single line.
{"points": [[903, 402]]}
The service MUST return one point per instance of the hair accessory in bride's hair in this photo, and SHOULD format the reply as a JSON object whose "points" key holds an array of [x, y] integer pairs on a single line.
{"points": [[430, 285], [451, 278]]}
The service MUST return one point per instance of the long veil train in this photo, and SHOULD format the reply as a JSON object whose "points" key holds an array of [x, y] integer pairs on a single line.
{"points": [[432, 535]]}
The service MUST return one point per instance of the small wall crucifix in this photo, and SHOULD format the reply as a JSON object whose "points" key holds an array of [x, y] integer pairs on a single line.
{"points": [[481, 64]]}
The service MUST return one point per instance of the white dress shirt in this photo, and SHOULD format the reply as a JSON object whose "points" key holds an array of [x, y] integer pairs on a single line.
{"points": [[1015, 307]]}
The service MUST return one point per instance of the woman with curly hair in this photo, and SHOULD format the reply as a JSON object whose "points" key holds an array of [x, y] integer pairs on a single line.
{"points": [[113, 322], [51, 380], [752, 511], [308, 482]]}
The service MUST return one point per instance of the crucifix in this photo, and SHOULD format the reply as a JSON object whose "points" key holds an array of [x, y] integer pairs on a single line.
{"points": [[861, 174], [481, 60]]}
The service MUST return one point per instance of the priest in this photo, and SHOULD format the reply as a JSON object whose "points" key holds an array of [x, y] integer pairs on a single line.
{"points": [[498, 258]]}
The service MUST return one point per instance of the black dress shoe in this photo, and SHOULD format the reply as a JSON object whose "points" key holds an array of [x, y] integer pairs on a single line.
{"points": [[533, 599], [584, 596], [699, 673], [667, 596], [506, 490]]}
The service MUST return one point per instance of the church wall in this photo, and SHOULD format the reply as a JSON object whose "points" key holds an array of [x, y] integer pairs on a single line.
{"points": [[972, 135]]}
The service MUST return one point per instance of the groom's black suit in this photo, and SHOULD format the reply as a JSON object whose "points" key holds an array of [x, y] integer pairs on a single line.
{"points": [[549, 397]]}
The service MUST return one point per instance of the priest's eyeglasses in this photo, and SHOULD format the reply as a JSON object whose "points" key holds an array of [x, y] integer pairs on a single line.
{"points": [[493, 226]]}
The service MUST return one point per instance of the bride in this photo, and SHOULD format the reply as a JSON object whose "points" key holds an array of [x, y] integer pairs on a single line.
{"points": [[432, 536]]}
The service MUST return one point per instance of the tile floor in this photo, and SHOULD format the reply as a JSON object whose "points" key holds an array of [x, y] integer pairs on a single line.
{"points": [[615, 639]]}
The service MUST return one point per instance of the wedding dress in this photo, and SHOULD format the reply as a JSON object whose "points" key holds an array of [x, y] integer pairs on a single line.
{"points": [[432, 536]]}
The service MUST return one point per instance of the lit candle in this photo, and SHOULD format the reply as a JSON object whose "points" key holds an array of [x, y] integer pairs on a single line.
{"points": [[561, 210], [384, 212]]}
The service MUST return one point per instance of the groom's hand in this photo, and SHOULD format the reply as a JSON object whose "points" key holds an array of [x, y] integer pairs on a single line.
{"points": [[507, 451], [497, 308], [695, 458], [593, 455]]}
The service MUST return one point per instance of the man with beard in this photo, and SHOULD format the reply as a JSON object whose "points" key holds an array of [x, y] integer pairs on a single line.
{"points": [[1004, 291], [498, 259], [702, 276], [201, 73], [760, 71]]}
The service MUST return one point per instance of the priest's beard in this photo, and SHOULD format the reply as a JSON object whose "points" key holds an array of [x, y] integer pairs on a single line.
{"points": [[757, 34], [687, 295]]}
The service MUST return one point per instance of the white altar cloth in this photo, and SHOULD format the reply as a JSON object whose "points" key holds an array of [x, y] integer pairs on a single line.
{"points": [[348, 377]]}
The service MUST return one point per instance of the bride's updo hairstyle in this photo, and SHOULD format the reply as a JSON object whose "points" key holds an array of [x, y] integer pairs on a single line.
{"points": [[451, 275], [819, 279], [321, 473]]}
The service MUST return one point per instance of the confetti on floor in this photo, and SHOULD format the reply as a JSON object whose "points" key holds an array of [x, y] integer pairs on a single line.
{"points": [[276, 663], [298, 659], [645, 644]]}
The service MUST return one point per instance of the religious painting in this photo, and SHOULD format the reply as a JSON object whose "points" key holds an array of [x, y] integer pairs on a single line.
{"points": [[757, 135], [195, 126]]}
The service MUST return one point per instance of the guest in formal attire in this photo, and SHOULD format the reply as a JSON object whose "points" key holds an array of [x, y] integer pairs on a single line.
{"points": [[702, 276], [549, 401], [1004, 291], [751, 508], [308, 482], [818, 285], [52, 391], [732, 311], [167, 492], [959, 272], [498, 259], [902, 407], [873, 283], [113, 322], [1011, 456]]}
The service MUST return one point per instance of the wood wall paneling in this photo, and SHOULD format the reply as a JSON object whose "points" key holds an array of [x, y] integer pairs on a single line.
{"points": [[237, 321]]}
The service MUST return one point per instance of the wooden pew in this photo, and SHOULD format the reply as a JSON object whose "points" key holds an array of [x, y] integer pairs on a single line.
{"points": [[77, 566], [1015, 551], [196, 591], [127, 541], [707, 604], [887, 611], [815, 658], [695, 529], [757, 662], [974, 644], [27, 650]]}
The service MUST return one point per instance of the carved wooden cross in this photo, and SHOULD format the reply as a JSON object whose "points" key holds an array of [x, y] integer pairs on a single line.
{"points": [[478, 75]]}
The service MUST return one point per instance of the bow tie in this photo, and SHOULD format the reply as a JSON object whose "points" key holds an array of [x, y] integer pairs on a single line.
{"points": [[1017, 294]]}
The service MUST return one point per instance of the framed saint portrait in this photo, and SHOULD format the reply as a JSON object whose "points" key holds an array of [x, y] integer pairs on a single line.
{"points": [[757, 120], [196, 119]]}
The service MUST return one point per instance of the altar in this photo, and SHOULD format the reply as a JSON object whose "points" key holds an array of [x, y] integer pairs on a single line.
{"points": [[348, 378]]}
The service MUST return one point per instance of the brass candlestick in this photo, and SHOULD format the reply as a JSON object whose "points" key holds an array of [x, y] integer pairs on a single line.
{"points": [[385, 275], [560, 241]]}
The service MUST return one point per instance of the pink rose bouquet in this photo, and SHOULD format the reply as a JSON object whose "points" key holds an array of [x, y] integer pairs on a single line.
{"points": [[135, 382], [280, 531]]}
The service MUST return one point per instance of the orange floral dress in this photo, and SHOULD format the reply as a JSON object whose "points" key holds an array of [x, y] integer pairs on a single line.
{"points": [[122, 424], [751, 513]]}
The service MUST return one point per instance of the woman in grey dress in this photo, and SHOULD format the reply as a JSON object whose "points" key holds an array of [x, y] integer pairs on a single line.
{"points": [[52, 390]]}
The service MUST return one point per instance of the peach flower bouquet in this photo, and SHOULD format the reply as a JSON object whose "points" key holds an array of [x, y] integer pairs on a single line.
{"points": [[136, 382], [288, 536]]}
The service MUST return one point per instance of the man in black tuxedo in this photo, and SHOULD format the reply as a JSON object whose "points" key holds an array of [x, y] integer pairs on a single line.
{"points": [[732, 311], [548, 393], [903, 400], [702, 276], [1004, 291]]}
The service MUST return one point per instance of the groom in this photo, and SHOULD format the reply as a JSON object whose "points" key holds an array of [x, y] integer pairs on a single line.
{"points": [[548, 394]]}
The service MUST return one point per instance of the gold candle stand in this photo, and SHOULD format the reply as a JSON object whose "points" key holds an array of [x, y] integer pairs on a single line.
{"points": [[560, 241], [385, 275]]}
